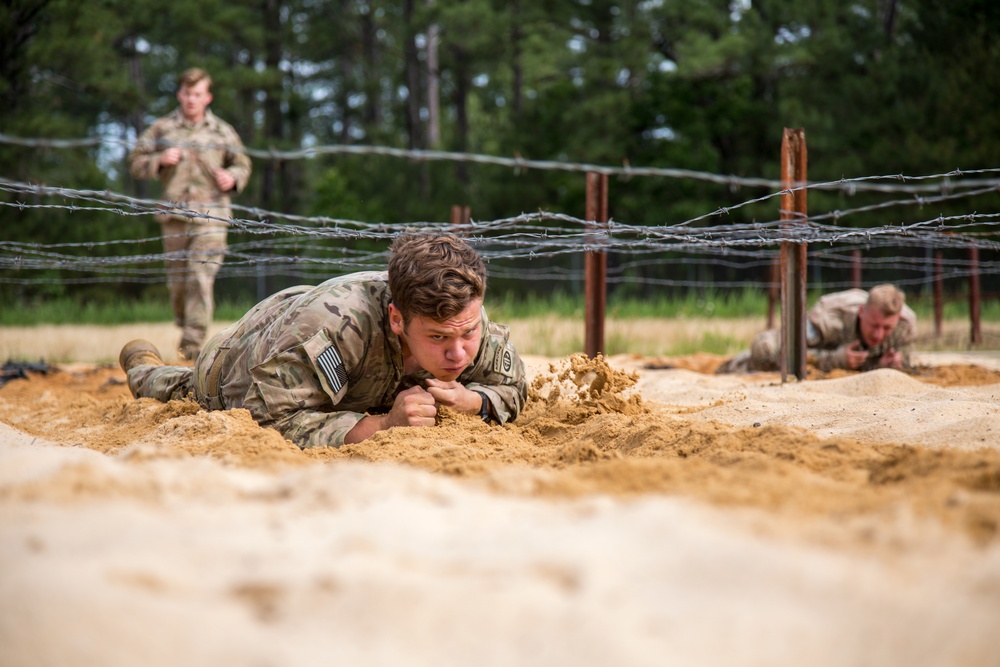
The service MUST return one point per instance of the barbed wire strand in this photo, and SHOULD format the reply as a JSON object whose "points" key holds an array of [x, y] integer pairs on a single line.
{"points": [[519, 163]]}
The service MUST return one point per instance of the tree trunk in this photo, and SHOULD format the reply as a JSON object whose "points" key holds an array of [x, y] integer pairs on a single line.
{"points": [[134, 120], [515, 41], [413, 125], [344, 90], [272, 98], [433, 86], [462, 85], [889, 11], [372, 84]]}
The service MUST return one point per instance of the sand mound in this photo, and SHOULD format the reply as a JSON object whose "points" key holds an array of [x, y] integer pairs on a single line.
{"points": [[630, 515]]}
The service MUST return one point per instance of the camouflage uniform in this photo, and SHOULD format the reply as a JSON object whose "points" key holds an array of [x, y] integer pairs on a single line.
{"points": [[195, 247], [831, 326], [311, 361]]}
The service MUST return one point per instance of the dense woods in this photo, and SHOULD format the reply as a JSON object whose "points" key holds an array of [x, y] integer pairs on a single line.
{"points": [[880, 87]]}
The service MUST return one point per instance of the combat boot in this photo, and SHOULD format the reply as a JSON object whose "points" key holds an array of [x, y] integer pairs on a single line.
{"points": [[188, 351], [139, 352]]}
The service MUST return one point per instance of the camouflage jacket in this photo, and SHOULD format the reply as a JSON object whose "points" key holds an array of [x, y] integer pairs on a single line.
{"points": [[207, 145], [833, 324], [312, 361]]}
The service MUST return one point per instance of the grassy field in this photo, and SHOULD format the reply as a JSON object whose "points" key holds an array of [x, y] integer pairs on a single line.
{"points": [[67, 331], [549, 336], [729, 305]]}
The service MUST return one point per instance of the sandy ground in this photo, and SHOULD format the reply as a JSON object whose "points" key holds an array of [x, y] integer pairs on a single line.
{"points": [[640, 512]]}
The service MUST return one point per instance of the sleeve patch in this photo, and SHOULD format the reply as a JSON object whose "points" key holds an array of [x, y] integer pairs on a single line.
{"points": [[503, 362], [333, 368]]}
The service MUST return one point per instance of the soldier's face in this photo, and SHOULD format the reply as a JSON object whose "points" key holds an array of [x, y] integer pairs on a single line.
{"points": [[875, 327], [443, 349], [194, 100]]}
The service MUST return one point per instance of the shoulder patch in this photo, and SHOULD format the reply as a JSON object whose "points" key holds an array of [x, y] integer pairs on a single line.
{"points": [[333, 368], [503, 362]]}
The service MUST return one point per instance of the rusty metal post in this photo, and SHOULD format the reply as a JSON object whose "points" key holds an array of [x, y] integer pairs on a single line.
{"points": [[856, 268], [793, 255], [975, 331], [595, 266], [460, 215], [938, 296], [772, 291]]}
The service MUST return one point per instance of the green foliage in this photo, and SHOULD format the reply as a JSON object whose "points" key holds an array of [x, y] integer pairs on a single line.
{"points": [[693, 84], [334, 197], [711, 303]]}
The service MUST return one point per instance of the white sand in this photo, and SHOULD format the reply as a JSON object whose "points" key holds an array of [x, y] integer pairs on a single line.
{"points": [[110, 561], [880, 406]]}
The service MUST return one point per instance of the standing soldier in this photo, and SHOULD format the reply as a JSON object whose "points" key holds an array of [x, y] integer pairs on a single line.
{"points": [[361, 353], [199, 160]]}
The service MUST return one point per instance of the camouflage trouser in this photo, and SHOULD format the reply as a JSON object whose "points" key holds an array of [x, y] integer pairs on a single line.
{"points": [[765, 351], [164, 383], [764, 355], [195, 251]]}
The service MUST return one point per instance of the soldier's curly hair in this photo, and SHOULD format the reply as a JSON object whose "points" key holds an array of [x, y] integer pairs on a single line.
{"points": [[434, 275]]}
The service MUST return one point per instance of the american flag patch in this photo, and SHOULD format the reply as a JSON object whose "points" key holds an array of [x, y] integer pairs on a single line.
{"points": [[333, 368]]}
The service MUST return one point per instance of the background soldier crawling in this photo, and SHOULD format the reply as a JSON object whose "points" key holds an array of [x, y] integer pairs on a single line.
{"points": [[364, 352], [853, 329]]}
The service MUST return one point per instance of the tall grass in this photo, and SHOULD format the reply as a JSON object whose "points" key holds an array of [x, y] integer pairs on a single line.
{"points": [[68, 311], [728, 304], [708, 304], [66, 337]]}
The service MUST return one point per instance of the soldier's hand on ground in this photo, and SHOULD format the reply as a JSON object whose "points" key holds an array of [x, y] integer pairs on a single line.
{"points": [[170, 157], [891, 359], [455, 395], [413, 407], [224, 180], [856, 357]]}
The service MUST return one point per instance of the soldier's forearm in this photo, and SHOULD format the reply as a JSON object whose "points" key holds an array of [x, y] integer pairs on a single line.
{"points": [[366, 428], [827, 360], [240, 175], [144, 166], [506, 400], [307, 428]]}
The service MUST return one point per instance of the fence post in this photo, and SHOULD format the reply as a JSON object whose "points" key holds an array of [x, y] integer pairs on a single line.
{"points": [[856, 268], [460, 215], [938, 296], [793, 255], [772, 291], [975, 331], [595, 265]]}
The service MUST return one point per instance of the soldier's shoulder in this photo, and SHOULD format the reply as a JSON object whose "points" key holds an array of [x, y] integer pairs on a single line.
{"points": [[172, 119], [219, 124], [846, 296], [847, 300], [498, 332], [354, 295], [500, 348], [158, 127], [362, 282], [906, 328]]}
